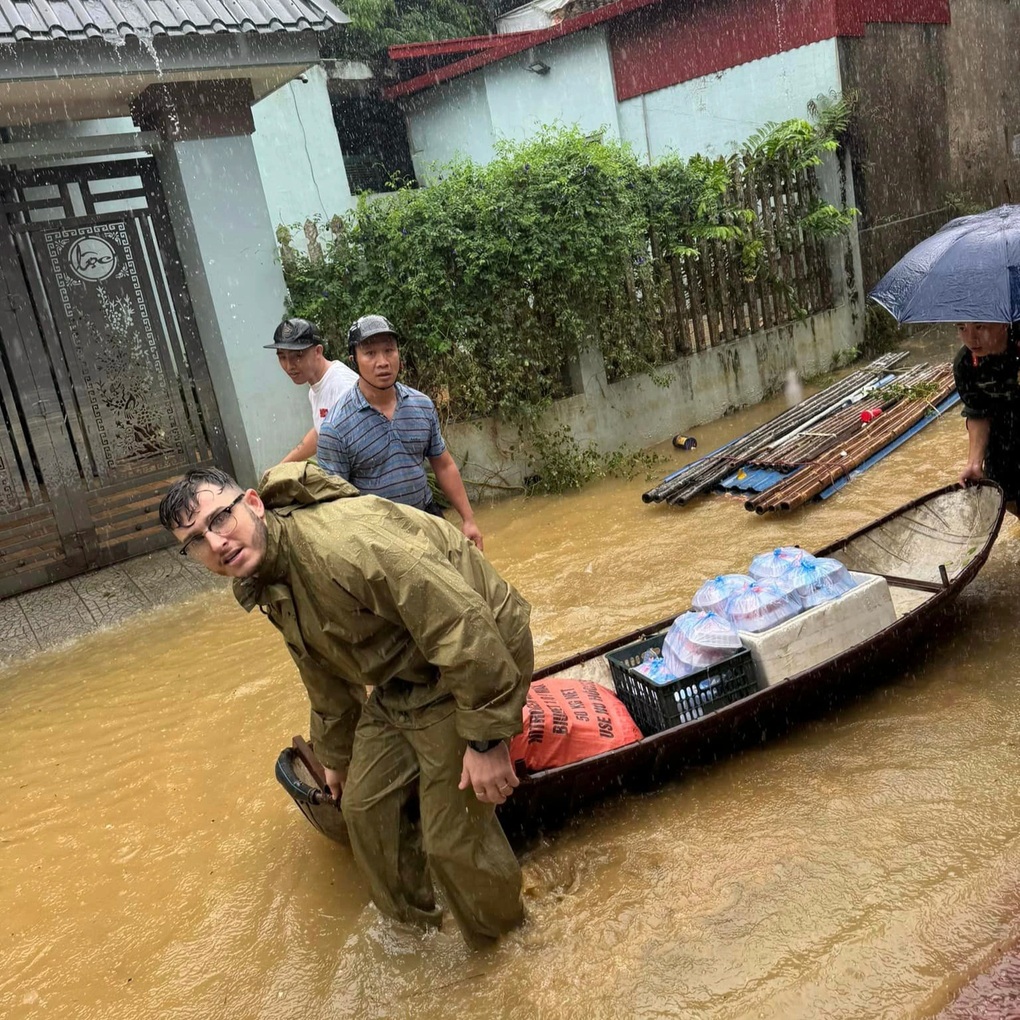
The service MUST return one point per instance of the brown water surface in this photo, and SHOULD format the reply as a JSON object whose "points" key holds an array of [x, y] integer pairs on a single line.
{"points": [[864, 866]]}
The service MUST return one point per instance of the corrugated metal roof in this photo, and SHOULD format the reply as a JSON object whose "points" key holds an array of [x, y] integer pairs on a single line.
{"points": [[543, 13], [22, 20]]}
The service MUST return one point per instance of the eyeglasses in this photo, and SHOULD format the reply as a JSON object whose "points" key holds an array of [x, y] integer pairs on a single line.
{"points": [[221, 523]]}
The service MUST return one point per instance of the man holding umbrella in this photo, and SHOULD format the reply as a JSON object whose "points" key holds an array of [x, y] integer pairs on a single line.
{"points": [[986, 371], [968, 273]]}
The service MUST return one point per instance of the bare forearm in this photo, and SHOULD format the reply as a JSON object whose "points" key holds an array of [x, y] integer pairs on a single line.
{"points": [[448, 477], [304, 449], [450, 481], [978, 432]]}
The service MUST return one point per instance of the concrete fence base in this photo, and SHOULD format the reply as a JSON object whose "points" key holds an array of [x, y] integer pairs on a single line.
{"points": [[637, 412]]}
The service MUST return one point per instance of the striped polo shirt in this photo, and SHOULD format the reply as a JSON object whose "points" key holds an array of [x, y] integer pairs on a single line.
{"points": [[380, 456]]}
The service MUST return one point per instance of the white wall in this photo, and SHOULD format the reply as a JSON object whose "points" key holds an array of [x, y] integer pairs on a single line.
{"points": [[448, 122], [298, 153], [228, 251], [578, 89], [713, 115], [465, 116]]}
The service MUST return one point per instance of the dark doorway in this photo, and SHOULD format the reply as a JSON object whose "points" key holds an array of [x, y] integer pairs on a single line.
{"points": [[373, 139]]}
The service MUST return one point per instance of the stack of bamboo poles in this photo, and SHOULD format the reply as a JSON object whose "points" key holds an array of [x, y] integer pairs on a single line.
{"points": [[832, 464], [707, 472], [800, 448]]}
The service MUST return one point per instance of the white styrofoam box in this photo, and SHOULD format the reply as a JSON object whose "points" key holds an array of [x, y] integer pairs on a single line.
{"points": [[820, 633]]}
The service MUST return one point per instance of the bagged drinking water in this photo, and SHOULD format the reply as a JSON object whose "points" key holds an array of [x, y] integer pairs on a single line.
{"points": [[784, 582], [716, 590], [778, 561], [818, 581], [697, 640], [761, 606], [653, 667]]}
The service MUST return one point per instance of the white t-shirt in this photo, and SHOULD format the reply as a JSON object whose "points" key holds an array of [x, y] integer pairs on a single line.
{"points": [[334, 384]]}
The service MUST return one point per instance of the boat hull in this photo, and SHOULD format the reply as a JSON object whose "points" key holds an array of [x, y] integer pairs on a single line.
{"points": [[929, 550]]}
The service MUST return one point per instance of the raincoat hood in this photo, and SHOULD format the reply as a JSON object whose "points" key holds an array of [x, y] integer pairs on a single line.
{"points": [[302, 484]]}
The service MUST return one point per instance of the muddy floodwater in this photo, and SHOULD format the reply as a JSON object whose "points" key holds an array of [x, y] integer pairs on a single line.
{"points": [[864, 866]]}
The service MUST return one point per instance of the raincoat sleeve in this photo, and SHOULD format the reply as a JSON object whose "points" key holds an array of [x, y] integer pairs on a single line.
{"points": [[413, 584], [336, 709]]}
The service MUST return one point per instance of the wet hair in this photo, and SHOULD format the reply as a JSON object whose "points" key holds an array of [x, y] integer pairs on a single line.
{"points": [[181, 500]]}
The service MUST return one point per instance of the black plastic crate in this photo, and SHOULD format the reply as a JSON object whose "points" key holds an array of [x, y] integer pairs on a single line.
{"points": [[656, 707]]}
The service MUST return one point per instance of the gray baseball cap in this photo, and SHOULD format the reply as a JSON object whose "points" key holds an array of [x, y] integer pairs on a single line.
{"points": [[367, 327]]}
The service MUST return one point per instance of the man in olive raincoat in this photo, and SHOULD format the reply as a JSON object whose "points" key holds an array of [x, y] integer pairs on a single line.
{"points": [[369, 592]]}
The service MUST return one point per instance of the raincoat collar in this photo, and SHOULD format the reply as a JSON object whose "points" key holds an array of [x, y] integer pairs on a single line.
{"points": [[284, 489], [256, 590], [287, 487]]}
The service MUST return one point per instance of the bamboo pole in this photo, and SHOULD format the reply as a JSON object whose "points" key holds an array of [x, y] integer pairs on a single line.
{"points": [[798, 449], [708, 280], [759, 288], [685, 319], [692, 270], [702, 475], [811, 479], [780, 313]]}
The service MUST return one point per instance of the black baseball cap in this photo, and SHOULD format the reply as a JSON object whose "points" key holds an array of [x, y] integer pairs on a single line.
{"points": [[367, 327], [294, 335]]}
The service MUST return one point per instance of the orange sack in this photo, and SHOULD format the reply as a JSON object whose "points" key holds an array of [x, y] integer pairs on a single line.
{"points": [[567, 720]]}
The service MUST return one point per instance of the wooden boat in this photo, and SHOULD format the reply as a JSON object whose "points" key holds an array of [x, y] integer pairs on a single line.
{"points": [[928, 551]]}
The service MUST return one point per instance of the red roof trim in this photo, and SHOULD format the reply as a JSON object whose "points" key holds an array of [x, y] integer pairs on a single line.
{"points": [[691, 46], [514, 43], [853, 16], [443, 47], [850, 18]]}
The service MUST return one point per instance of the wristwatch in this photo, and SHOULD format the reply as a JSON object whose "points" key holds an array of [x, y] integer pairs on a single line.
{"points": [[481, 746]]}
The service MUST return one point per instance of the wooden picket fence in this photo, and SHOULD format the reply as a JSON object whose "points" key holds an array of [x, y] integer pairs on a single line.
{"points": [[692, 303]]}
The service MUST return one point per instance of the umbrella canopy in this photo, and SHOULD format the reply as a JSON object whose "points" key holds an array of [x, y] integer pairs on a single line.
{"points": [[969, 271]]}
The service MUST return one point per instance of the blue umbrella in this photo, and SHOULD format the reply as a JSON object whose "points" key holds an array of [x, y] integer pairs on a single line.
{"points": [[969, 271]]}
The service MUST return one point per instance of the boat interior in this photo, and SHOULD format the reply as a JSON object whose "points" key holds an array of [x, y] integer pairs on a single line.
{"points": [[919, 551]]}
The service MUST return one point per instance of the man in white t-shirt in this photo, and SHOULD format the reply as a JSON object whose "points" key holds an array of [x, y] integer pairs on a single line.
{"points": [[299, 350]]}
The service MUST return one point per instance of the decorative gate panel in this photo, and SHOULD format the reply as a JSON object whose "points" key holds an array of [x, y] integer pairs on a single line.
{"points": [[104, 388]]}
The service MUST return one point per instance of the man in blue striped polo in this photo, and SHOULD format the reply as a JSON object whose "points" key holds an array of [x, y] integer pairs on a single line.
{"points": [[379, 436]]}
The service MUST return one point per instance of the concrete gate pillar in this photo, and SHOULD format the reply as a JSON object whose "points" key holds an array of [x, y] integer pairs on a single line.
{"points": [[227, 247]]}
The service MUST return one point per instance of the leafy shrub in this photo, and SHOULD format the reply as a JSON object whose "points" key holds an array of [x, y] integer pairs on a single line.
{"points": [[497, 275]]}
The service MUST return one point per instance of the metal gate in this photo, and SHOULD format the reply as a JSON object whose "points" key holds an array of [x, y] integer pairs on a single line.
{"points": [[104, 389]]}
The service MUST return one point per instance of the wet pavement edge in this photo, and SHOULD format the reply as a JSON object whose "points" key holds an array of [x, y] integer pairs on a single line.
{"points": [[44, 618]]}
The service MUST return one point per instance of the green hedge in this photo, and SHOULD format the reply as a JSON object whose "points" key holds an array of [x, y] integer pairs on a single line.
{"points": [[496, 275]]}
